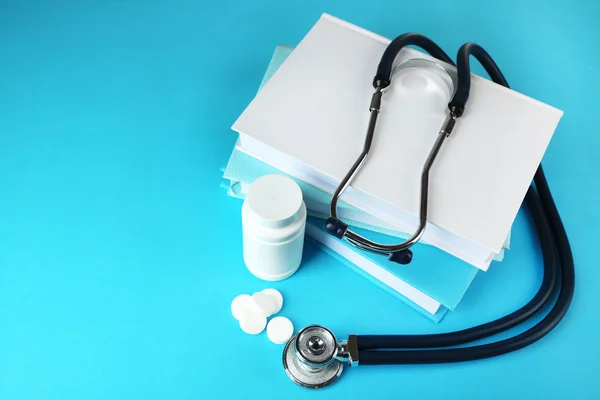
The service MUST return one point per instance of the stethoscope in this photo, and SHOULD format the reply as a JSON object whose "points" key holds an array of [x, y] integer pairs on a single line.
{"points": [[314, 357]]}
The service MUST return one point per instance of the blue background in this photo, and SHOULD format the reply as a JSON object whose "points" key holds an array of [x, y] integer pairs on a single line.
{"points": [[120, 253]]}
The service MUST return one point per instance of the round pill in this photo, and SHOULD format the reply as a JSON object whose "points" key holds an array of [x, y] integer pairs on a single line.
{"points": [[277, 298], [280, 330], [264, 304], [240, 305], [253, 323]]}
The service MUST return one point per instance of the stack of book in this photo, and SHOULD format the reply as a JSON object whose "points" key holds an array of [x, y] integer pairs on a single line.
{"points": [[308, 121]]}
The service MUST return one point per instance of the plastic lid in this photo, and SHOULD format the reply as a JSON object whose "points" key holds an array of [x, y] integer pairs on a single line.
{"points": [[275, 200]]}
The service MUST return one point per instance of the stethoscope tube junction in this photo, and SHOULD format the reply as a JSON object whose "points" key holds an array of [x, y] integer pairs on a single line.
{"points": [[314, 358]]}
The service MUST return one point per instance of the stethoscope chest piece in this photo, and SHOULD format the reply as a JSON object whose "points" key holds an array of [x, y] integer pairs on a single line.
{"points": [[309, 358]]}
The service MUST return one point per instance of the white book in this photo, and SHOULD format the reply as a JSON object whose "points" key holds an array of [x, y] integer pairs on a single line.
{"points": [[310, 121]]}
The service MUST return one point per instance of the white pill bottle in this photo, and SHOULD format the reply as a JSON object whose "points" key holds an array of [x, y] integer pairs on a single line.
{"points": [[273, 225]]}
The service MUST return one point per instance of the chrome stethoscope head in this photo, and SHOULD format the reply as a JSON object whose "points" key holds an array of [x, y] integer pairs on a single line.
{"points": [[399, 253], [313, 358]]}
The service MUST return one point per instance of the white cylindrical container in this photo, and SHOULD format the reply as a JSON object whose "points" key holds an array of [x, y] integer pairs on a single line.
{"points": [[273, 224]]}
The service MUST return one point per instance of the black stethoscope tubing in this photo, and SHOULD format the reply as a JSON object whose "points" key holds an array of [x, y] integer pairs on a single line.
{"points": [[559, 273]]}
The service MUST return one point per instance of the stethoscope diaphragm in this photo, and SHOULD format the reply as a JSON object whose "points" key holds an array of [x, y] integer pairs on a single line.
{"points": [[309, 358]]}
